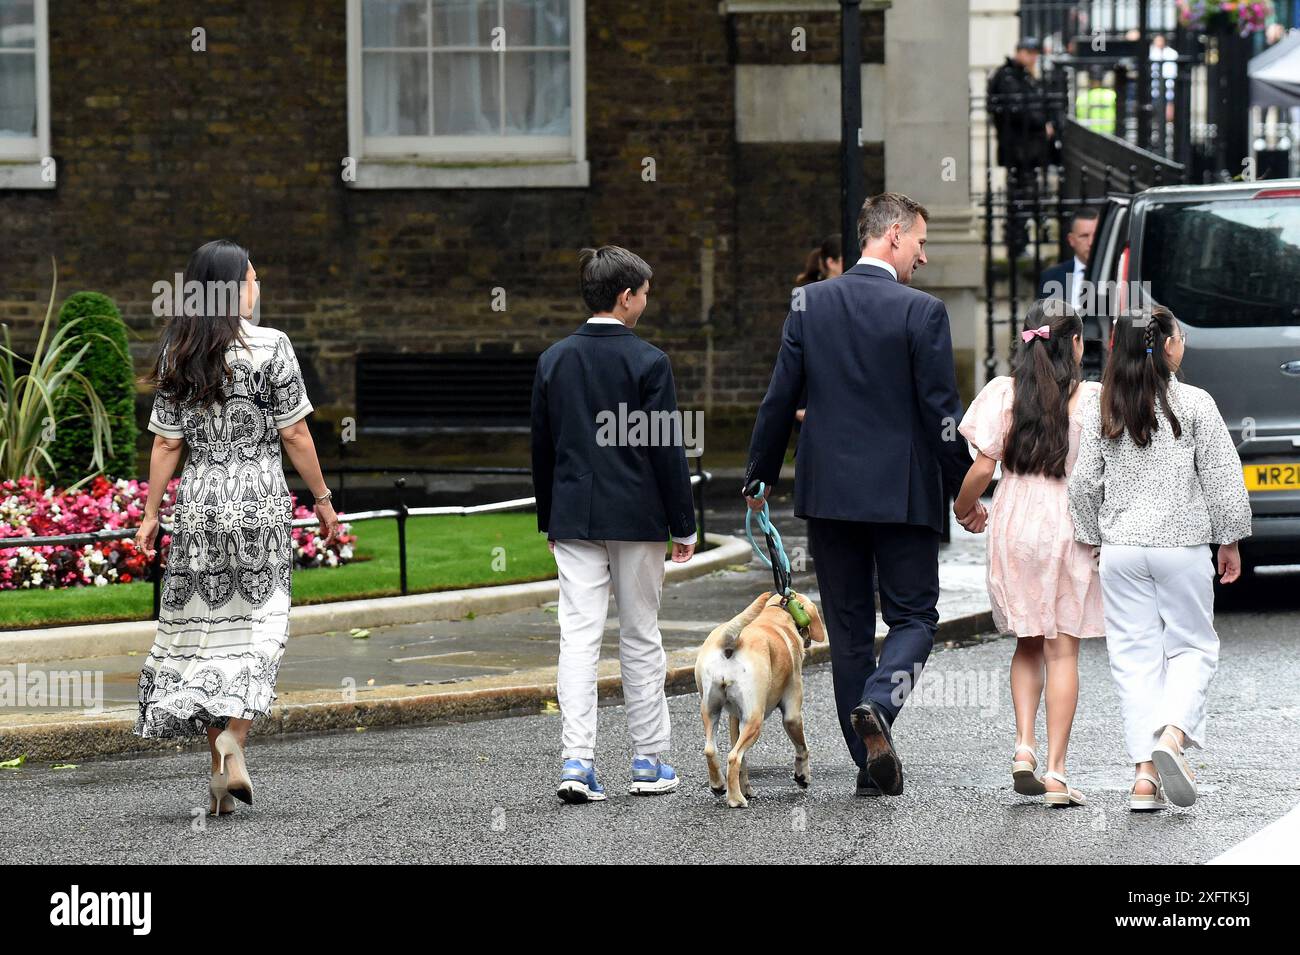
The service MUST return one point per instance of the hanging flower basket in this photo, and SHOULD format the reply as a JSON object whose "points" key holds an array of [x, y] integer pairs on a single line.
{"points": [[1242, 17]]}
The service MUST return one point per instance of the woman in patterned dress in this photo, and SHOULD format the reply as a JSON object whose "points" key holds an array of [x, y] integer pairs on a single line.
{"points": [[231, 392]]}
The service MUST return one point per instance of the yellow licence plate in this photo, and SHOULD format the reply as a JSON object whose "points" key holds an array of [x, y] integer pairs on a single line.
{"points": [[1272, 477]]}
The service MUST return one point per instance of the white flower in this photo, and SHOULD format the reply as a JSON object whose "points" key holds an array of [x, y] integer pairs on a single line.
{"points": [[101, 581]]}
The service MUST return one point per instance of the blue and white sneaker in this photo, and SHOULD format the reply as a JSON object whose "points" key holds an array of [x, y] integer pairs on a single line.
{"points": [[650, 777], [578, 783]]}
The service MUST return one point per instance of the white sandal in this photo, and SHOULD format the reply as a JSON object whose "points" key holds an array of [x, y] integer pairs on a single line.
{"points": [[1146, 802], [1023, 773], [1071, 797], [1175, 774]]}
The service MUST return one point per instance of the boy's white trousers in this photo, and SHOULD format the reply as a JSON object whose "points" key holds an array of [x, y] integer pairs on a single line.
{"points": [[1159, 605], [635, 569]]}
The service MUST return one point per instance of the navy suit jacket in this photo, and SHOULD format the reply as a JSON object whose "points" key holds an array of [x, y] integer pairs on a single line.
{"points": [[1062, 276], [589, 487], [879, 442]]}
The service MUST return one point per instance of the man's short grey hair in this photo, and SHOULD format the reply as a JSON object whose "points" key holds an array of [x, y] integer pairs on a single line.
{"points": [[880, 212]]}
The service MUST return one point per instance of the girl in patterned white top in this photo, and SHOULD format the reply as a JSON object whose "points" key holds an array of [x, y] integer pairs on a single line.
{"points": [[1157, 481]]}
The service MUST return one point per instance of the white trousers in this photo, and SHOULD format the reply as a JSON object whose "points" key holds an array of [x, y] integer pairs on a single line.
{"points": [[1159, 605], [636, 570]]}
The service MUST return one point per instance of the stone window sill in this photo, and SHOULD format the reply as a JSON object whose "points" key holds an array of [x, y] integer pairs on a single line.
{"points": [[398, 174], [25, 174]]}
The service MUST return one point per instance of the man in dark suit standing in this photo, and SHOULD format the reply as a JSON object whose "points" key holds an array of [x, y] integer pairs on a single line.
{"points": [[610, 475], [1064, 280], [878, 452]]}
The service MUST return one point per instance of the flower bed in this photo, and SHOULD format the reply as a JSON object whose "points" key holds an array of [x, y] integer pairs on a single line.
{"points": [[26, 511]]}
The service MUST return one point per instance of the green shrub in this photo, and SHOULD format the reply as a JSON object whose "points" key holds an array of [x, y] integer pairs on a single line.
{"points": [[110, 370], [33, 389]]}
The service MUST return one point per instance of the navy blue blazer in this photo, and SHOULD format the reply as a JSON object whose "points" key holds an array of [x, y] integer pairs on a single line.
{"points": [[1062, 276], [588, 487], [879, 442]]}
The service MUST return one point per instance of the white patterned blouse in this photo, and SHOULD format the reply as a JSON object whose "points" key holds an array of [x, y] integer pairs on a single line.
{"points": [[1175, 492]]}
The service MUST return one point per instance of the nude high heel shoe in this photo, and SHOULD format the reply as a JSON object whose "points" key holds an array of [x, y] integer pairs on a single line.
{"points": [[220, 803], [234, 773]]}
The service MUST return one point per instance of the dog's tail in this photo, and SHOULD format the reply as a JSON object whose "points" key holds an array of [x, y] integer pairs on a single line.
{"points": [[731, 637], [739, 622]]}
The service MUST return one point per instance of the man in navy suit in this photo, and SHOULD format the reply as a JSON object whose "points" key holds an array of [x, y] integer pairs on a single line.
{"points": [[878, 453], [1064, 280], [610, 475]]}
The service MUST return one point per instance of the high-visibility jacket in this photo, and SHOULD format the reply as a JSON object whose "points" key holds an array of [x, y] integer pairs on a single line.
{"points": [[1095, 109]]}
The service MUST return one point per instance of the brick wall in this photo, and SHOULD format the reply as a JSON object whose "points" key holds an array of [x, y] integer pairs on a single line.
{"points": [[161, 149]]}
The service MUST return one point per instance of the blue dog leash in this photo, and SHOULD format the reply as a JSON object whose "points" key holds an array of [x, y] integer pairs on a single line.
{"points": [[775, 558]]}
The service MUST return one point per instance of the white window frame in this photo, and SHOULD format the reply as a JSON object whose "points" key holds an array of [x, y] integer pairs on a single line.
{"points": [[469, 162], [22, 160]]}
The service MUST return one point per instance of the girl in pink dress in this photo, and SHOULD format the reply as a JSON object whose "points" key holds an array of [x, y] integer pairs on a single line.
{"points": [[1043, 585]]}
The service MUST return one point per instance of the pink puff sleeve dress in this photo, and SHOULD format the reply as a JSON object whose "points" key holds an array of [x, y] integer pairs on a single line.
{"points": [[1041, 581]]}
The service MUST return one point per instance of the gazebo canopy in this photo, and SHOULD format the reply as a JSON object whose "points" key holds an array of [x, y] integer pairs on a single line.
{"points": [[1275, 74]]}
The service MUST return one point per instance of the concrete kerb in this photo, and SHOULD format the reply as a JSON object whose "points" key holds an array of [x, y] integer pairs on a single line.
{"points": [[112, 639], [56, 737]]}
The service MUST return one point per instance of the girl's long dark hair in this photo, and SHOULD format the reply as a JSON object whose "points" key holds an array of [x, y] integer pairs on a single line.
{"points": [[812, 269], [1137, 377], [1046, 376], [191, 364]]}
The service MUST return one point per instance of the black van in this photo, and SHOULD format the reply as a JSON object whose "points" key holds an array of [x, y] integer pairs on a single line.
{"points": [[1226, 260]]}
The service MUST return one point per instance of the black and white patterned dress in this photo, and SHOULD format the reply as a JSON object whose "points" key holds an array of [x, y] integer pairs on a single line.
{"points": [[224, 618]]}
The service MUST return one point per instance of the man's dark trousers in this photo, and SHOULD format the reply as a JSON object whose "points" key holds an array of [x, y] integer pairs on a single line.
{"points": [[906, 560]]}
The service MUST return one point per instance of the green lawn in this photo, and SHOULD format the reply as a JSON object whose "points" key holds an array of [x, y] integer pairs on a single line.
{"points": [[443, 553]]}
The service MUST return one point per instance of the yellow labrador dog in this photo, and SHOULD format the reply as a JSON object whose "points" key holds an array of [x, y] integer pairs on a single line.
{"points": [[749, 667]]}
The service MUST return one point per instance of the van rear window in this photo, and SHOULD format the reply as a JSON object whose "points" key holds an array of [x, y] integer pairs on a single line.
{"points": [[1225, 263]]}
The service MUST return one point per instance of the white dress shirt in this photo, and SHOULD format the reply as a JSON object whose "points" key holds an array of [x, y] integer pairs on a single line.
{"points": [[880, 264], [606, 320]]}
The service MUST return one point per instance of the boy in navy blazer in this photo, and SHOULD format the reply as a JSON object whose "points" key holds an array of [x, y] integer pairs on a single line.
{"points": [[608, 498]]}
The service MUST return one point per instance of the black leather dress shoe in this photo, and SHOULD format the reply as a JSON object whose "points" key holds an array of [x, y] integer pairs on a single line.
{"points": [[865, 786], [883, 765]]}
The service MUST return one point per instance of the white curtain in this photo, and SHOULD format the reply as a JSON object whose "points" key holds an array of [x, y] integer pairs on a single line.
{"points": [[466, 86]]}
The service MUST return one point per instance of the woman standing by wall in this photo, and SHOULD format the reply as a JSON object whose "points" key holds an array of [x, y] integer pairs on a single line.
{"points": [[232, 393]]}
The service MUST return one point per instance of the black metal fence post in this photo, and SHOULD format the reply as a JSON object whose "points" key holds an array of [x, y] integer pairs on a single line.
{"points": [[852, 174], [342, 476], [699, 470], [402, 512]]}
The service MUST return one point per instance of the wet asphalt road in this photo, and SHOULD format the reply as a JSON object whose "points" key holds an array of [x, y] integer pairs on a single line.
{"points": [[483, 791]]}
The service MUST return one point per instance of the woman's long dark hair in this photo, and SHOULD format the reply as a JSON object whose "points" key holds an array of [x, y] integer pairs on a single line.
{"points": [[1137, 377], [812, 269], [194, 341], [1046, 376]]}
